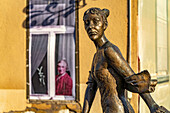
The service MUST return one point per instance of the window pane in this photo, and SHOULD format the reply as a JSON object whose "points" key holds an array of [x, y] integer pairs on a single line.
{"points": [[162, 9], [46, 1], [52, 13], [47, 15], [162, 37], [162, 45], [39, 64], [65, 65]]}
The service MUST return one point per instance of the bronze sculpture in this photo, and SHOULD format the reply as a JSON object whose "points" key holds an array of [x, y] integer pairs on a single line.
{"points": [[111, 73]]}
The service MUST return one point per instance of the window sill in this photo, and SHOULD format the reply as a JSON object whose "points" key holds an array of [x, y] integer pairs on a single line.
{"points": [[47, 97], [163, 79], [72, 105]]}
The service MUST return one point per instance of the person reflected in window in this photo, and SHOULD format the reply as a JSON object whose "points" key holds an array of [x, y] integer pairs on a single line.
{"points": [[63, 81]]}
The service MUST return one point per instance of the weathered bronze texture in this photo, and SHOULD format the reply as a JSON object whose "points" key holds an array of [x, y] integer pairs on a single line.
{"points": [[111, 73]]}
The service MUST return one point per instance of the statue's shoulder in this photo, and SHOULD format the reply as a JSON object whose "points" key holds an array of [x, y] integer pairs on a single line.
{"points": [[111, 47]]}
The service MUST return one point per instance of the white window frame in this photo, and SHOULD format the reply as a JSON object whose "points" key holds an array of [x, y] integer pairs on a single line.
{"points": [[51, 31]]}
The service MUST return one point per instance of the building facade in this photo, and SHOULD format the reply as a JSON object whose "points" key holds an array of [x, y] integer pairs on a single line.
{"points": [[36, 34]]}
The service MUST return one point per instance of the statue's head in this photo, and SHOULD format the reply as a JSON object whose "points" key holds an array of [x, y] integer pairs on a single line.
{"points": [[95, 22]]}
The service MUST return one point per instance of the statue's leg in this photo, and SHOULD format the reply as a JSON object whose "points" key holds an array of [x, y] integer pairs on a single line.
{"points": [[108, 109], [112, 104], [127, 107]]}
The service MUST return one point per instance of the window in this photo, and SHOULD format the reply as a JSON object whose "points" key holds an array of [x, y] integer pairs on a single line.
{"points": [[52, 42], [153, 47], [162, 40], [153, 38]]}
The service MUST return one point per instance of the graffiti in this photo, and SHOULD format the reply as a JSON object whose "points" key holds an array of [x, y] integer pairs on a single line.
{"points": [[49, 14]]}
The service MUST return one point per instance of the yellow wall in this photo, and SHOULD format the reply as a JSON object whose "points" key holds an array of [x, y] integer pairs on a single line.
{"points": [[116, 33], [13, 49], [12, 44], [12, 55]]}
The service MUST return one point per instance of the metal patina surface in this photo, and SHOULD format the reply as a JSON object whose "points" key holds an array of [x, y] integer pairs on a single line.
{"points": [[111, 74]]}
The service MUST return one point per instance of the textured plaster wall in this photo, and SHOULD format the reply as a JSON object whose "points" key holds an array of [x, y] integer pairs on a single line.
{"points": [[116, 33], [12, 55], [12, 44]]}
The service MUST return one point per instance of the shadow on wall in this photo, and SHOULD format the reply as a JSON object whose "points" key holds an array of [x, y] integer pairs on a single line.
{"points": [[49, 13]]}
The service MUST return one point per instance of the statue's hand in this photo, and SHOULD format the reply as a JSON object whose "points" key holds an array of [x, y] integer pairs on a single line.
{"points": [[140, 83], [159, 109], [152, 85]]}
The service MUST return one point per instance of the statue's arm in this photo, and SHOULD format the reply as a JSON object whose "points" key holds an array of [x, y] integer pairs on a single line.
{"points": [[138, 83], [135, 82], [116, 60], [89, 96]]}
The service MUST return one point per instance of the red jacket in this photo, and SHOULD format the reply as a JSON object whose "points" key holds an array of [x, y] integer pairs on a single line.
{"points": [[64, 85]]}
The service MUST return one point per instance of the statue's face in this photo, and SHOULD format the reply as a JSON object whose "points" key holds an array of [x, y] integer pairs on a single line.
{"points": [[94, 26]]}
